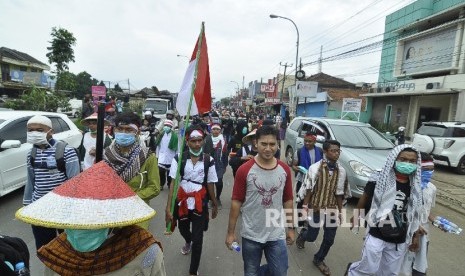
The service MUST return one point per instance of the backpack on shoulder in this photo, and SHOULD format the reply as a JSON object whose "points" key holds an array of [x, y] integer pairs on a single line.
{"points": [[12, 250], [59, 155]]}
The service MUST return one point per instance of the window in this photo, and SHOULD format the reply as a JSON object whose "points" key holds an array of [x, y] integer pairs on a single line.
{"points": [[34, 70], [295, 125], [387, 114], [59, 125], [16, 130], [23, 68], [458, 132]]}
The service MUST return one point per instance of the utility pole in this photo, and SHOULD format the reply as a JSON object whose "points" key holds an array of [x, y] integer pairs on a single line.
{"points": [[320, 60], [284, 79], [129, 87]]}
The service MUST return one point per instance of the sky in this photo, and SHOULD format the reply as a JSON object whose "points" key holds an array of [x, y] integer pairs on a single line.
{"points": [[140, 40]]}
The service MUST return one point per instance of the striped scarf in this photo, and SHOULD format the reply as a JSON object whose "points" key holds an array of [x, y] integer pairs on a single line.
{"points": [[126, 165], [115, 253], [324, 192], [385, 192]]}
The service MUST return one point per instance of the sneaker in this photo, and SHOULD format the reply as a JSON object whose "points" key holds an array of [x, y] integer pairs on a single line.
{"points": [[300, 241], [186, 249]]}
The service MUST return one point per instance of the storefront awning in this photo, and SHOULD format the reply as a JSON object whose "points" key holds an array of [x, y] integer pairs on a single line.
{"points": [[431, 92]]}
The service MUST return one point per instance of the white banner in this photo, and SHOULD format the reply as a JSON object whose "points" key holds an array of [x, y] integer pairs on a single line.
{"points": [[306, 89], [351, 105]]}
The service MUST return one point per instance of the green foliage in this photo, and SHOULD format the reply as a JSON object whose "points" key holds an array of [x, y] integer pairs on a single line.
{"points": [[61, 49], [84, 84], [226, 101], [67, 81], [39, 99], [118, 88], [136, 105]]}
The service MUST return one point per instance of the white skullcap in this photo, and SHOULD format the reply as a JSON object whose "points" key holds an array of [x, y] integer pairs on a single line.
{"points": [[40, 119]]}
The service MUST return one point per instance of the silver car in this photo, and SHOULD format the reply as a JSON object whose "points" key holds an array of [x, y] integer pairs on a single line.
{"points": [[363, 148]]}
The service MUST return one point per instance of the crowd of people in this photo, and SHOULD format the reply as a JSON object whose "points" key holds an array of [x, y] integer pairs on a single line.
{"points": [[250, 145]]}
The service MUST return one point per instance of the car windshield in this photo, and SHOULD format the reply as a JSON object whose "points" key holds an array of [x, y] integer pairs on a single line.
{"points": [[432, 130], [360, 137], [1, 121], [159, 107]]}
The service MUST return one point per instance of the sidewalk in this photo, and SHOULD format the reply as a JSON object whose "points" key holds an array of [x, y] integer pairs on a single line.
{"points": [[450, 189]]}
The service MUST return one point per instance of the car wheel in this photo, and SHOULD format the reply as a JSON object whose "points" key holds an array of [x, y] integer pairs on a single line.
{"points": [[289, 156], [460, 169]]}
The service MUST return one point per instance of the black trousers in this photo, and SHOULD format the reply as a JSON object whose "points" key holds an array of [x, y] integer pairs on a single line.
{"points": [[195, 236], [300, 220], [164, 177], [43, 235]]}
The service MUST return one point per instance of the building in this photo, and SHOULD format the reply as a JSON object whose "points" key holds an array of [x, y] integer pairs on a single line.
{"points": [[329, 100], [422, 71], [20, 71]]}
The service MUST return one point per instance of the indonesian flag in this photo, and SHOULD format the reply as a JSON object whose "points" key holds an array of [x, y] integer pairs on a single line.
{"points": [[196, 81]]}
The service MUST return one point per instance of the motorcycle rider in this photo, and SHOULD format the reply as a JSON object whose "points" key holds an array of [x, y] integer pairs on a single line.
{"points": [[148, 125]]}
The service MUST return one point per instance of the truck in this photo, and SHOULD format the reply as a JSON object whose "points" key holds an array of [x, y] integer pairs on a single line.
{"points": [[159, 105]]}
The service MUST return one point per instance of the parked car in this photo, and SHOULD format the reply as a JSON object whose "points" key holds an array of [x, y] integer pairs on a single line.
{"points": [[445, 141], [74, 110], [363, 148], [14, 149]]}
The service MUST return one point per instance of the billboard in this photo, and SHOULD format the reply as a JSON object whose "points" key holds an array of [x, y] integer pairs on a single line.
{"points": [[306, 89], [98, 91], [351, 105], [428, 53]]}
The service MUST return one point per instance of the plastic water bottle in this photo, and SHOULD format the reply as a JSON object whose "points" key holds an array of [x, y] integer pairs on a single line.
{"points": [[235, 246], [446, 225], [21, 269]]}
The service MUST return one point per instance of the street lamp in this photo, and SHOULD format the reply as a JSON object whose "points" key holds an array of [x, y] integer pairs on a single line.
{"points": [[237, 92], [296, 56]]}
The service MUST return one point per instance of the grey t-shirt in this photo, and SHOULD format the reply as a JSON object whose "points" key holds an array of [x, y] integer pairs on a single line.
{"points": [[262, 193]]}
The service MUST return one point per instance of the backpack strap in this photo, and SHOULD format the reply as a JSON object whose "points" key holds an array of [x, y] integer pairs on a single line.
{"points": [[206, 166], [59, 155], [247, 150]]}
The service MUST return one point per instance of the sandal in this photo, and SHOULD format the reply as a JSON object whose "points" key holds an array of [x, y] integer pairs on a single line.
{"points": [[324, 269]]}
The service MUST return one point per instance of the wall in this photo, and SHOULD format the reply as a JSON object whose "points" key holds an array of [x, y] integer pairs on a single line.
{"points": [[315, 109], [407, 15], [399, 113]]}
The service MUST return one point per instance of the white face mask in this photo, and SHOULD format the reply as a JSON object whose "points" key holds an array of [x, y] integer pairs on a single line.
{"points": [[37, 137]]}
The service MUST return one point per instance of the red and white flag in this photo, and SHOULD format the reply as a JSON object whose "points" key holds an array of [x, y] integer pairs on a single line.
{"points": [[196, 81]]}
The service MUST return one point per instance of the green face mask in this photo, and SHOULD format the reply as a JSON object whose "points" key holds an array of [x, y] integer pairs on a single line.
{"points": [[405, 167], [86, 240], [166, 129]]}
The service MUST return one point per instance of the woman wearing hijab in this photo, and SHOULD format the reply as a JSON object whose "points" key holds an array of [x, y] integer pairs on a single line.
{"points": [[136, 165]]}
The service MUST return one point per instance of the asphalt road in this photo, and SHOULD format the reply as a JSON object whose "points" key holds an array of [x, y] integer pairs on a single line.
{"points": [[446, 251]]}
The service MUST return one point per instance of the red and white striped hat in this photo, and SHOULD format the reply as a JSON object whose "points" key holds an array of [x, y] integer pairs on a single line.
{"points": [[96, 198]]}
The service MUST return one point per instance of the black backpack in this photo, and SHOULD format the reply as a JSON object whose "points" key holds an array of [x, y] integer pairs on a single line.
{"points": [[13, 250], [185, 156], [59, 155]]}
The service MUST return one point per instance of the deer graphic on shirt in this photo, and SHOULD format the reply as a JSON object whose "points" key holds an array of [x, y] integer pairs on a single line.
{"points": [[267, 195]]}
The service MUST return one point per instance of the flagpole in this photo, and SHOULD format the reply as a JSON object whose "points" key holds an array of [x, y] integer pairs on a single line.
{"points": [[178, 171]]}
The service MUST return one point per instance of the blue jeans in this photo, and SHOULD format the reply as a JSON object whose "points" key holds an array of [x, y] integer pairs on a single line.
{"points": [[275, 254], [328, 237]]}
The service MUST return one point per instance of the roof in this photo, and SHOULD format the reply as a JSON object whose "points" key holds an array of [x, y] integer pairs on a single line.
{"points": [[17, 55], [325, 80]]}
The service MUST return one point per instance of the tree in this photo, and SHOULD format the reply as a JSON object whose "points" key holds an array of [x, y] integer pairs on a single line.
{"points": [[67, 81], [84, 84], [61, 50], [36, 98], [118, 88], [226, 101]]}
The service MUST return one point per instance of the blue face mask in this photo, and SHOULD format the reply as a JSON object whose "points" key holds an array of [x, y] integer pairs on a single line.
{"points": [[125, 139], [405, 167], [244, 130], [86, 240], [166, 129], [425, 178]]}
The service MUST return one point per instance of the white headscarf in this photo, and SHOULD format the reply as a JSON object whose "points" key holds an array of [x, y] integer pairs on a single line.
{"points": [[385, 192]]}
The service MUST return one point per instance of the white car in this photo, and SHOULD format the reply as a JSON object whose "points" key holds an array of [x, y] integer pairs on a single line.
{"points": [[445, 141], [14, 149]]}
